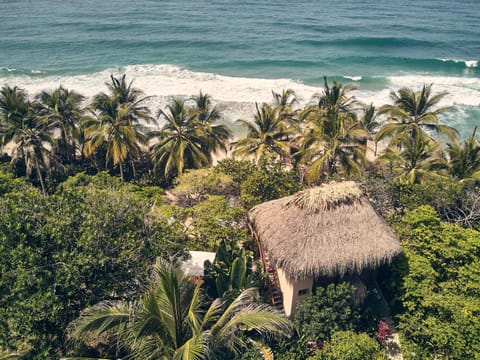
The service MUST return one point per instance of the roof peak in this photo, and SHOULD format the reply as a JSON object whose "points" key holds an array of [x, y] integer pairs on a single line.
{"points": [[327, 196]]}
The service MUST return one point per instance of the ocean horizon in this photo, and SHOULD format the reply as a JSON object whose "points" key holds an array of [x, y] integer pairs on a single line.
{"points": [[240, 52]]}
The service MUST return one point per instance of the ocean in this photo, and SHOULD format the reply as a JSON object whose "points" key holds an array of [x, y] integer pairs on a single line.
{"points": [[239, 51]]}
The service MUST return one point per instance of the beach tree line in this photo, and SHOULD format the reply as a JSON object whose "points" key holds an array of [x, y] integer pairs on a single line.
{"points": [[332, 135]]}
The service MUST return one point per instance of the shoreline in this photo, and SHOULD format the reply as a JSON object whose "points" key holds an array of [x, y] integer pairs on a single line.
{"points": [[236, 96]]}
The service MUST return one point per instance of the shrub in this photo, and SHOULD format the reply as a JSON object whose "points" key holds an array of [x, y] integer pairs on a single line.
{"points": [[194, 185], [439, 291], [348, 345], [328, 310]]}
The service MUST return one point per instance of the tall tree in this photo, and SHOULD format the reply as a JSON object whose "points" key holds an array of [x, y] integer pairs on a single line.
{"points": [[62, 110], [13, 105], [30, 135], [464, 159], [182, 141], [118, 123], [286, 101], [126, 93], [332, 140], [112, 127], [414, 114], [216, 135], [416, 160], [267, 135], [168, 322], [370, 123]]}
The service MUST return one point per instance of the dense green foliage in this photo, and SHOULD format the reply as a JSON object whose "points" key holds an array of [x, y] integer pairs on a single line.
{"points": [[86, 243], [214, 220], [439, 289], [168, 321], [196, 185], [231, 271], [88, 239], [328, 310], [271, 183], [348, 345]]}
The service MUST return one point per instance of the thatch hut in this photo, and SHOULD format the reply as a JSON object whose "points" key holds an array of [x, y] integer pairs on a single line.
{"points": [[324, 232]]}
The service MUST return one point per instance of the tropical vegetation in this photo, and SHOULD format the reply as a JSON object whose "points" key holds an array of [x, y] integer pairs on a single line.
{"points": [[169, 321], [100, 202]]}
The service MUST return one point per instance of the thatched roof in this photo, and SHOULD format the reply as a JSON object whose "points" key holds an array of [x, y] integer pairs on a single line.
{"points": [[329, 230]]}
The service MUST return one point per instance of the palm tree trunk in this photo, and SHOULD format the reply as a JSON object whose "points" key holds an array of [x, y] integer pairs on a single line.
{"points": [[121, 170], [134, 170], [40, 176]]}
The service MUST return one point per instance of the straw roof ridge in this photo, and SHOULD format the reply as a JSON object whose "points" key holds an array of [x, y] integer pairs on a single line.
{"points": [[329, 230], [327, 196]]}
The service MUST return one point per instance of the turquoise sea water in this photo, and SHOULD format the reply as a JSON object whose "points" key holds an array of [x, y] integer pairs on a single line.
{"points": [[239, 51]]}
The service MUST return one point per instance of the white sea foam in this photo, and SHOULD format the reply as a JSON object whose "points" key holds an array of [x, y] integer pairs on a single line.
{"points": [[467, 63], [237, 95], [471, 63], [353, 78]]}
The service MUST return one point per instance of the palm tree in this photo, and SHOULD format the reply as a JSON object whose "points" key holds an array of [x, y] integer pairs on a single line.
{"points": [[286, 99], [332, 141], [182, 141], [13, 105], [125, 93], [370, 123], [416, 160], [329, 146], [464, 160], [412, 113], [22, 126], [216, 135], [168, 321], [267, 135], [61, 108], [112, 127]]}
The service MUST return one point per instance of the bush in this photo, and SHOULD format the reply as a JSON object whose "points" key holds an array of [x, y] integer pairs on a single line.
{"points": [[269, 182], [214, 220], [347, 345], [328, 310], [255, 184], [238, 170], [93, 240], [439, 291], [194, 185]]}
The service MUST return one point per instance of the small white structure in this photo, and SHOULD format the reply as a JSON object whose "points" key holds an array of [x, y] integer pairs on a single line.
{"points": [[194, 266]]}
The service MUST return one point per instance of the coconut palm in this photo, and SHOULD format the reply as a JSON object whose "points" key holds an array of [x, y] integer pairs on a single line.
{"points": [[332, 141], [286, 101], [125, 93], [61, 109], [13, 106], [182, 141], [416, 161], [266, 135], [216, 135], [336, 99], [112, 127], [168, 321], [22, 126], [332, 145], [464, 159], [370, 123], [413, 113]]}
